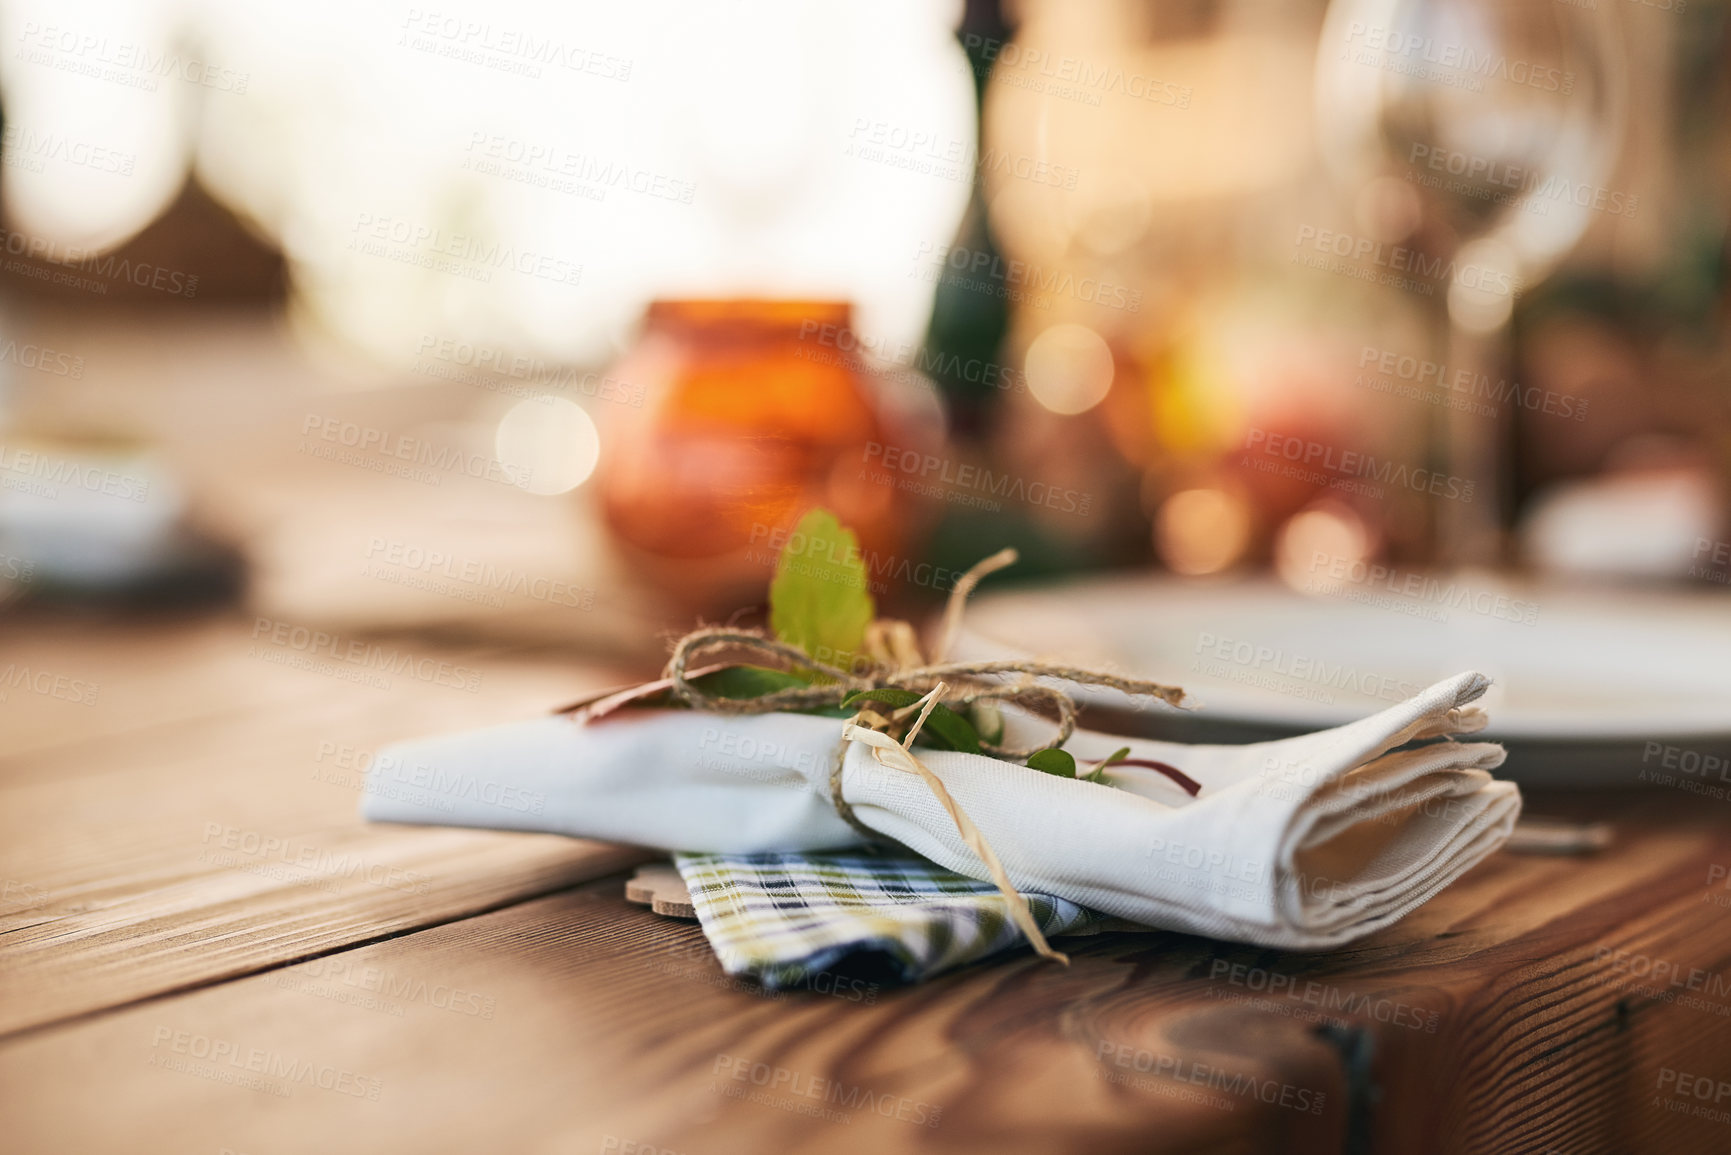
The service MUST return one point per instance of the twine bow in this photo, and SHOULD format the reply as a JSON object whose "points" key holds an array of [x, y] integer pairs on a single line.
{"points": [[894, 662]]}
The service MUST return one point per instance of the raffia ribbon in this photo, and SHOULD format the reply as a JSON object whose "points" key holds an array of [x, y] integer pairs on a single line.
{"points": [[895, 663], [899, 756]]}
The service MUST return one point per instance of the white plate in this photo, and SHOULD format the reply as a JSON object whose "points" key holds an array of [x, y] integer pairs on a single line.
{"points": [[1572, 668]]}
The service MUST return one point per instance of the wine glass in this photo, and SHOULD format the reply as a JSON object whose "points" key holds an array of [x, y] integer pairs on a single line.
{"points": [[1479, 136]]}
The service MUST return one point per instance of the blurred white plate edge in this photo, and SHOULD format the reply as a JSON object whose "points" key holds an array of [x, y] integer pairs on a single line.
{"points": [[1613, 691]]}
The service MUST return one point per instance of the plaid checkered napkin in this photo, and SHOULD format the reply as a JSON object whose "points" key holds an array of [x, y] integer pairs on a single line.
{"points": [[781, 918]]}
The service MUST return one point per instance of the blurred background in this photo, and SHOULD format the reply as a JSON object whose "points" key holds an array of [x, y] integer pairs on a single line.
{"points": [[545, 322]]}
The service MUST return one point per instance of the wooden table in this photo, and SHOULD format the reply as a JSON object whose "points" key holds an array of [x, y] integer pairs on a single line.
{"points": [[202, 949]]}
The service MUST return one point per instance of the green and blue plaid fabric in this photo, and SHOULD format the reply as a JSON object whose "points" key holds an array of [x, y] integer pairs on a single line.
{"points": [[781, 918]]}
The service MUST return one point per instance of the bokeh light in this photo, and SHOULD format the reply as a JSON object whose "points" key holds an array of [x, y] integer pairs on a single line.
{"points": [[548, 444], [1069, 368], [1202, 531], [1325, 536]]}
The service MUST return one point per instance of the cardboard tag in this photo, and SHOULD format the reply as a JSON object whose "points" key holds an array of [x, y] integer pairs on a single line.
{"points": [[660, 888]]}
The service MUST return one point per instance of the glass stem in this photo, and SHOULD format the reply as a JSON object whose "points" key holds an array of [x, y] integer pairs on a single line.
{"points": [[1468, 504]]}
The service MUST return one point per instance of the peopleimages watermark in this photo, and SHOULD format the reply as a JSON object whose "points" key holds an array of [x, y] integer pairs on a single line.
{"points": [[1661, 979], [989, 273], [459, 254], [90, 270], [41, 359], [26, 148], [1210, 859], [348, 769], [614, 1145], [1717, 566], [751, 756], [1205, 868], [552, 166], [1483, 178], [1453, 64], [1208, 868], [1347, 470], [965, 483], [1692, 1093], [46, 683], [907, 356], [247, 846], [694, 961], [821, 559], [1695, 770], [342, 979], [1301, 675], [1319, 1000], [1403, 375], [381, 451], [301, 647], [1419, 595], [539, 377], [413, 566], [1070, 77], [502, 48], [1718, 891], [800, 768], [41, 474], [1273, 1092], [801, 1093], [1291, 779], [16, 894], [423, 784], [225, 1061], [1389, 264], [17, 569], [101, 57], [928, 153]]}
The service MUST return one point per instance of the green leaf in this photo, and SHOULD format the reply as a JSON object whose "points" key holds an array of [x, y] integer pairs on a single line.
{"points": [[893, 696], [944, 728], [747, 682], [1099, 774], [818, 599], [1053, 761]]}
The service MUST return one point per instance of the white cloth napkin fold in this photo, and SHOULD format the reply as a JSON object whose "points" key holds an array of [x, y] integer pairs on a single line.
{"points": [[1302, 843]]}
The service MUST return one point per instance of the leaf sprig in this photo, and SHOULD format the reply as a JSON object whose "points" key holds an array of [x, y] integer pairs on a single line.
{"points": [[821, 609], [820, 602]]}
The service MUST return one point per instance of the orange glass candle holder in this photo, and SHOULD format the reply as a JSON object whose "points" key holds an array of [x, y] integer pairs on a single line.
{"points": [[755, 411]]}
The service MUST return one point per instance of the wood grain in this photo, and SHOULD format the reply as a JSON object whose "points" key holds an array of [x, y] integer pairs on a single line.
{"points": [[499, 997], [1493, 1019], [606, 1020], [203, 821]]}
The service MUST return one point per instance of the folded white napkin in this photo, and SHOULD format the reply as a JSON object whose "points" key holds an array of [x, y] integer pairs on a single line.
{"points": [[1303, 843]]}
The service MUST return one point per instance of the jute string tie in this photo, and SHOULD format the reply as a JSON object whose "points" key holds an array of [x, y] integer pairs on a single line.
{"points": [[893, 661]]}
